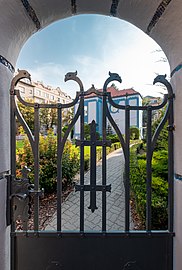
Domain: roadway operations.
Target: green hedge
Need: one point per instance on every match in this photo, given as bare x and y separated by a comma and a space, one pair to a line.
159, 186
134, 133
114, 146
48, 162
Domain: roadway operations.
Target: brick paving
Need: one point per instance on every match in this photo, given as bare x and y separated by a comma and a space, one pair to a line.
115, 200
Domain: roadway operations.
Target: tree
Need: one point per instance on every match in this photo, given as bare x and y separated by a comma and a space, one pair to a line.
113, 85
68, 116
28, 115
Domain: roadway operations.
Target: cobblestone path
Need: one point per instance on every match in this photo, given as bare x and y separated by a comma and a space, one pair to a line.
115, 200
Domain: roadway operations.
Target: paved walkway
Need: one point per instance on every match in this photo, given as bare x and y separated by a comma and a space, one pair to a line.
115, 200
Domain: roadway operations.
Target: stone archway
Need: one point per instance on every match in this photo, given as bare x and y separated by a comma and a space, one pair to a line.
161, 20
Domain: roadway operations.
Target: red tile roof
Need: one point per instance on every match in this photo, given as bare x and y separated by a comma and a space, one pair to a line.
116, 93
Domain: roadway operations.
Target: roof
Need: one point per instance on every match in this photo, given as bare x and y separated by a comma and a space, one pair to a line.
116, 93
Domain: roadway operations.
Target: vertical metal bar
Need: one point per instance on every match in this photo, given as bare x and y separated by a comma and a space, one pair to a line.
82, 164
36, 167
170, 166
104, 165
13, 135
93, 140
59, 168
149, 169
127, 169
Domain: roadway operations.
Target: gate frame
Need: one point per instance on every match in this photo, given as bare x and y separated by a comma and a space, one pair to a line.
34, 141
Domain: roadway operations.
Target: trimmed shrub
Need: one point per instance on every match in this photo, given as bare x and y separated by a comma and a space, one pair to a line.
134, 133
113, 138
48, 162
159, 187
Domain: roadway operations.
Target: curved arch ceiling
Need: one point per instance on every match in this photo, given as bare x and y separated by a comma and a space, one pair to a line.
21, 18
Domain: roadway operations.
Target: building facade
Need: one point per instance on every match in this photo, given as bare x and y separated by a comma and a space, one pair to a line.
40, 93
93, 110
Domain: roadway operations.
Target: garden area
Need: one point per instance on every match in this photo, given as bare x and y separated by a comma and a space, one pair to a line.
71, 167
138, 176
48, 170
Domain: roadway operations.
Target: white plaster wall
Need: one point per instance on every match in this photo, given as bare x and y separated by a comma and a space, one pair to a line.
177, 83
178, 225
5, 78
168, 34
4, 230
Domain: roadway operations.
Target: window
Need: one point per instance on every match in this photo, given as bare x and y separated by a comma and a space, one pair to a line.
85, 110
52, 97
38, 92
22, 89
30, 92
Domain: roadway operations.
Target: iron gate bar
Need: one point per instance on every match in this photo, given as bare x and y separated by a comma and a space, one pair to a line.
159, 128
112, 77
170, 167
127, 169
73, 76
82, 164
93, 143
149, 169
36, 166
22, 74
59, 168
170, 115
104, 165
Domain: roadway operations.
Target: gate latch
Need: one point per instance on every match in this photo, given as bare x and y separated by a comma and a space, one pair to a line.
21, 197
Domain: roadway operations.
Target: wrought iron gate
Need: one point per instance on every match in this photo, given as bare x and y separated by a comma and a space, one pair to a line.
91, 250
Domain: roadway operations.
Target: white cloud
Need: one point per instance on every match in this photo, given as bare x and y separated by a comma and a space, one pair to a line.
123, 49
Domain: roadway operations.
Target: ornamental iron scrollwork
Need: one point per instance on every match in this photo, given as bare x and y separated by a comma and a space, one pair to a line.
107, 101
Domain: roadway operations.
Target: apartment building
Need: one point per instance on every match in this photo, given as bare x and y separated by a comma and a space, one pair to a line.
40, 93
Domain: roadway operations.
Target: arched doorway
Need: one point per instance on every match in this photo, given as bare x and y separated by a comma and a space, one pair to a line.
150, 21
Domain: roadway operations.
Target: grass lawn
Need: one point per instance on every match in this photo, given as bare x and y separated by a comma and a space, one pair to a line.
19, 144
87, 150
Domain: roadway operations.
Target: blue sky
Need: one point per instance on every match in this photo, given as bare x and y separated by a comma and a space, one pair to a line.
93, 45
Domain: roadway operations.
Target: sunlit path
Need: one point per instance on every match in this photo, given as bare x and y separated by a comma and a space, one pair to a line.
115, 200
